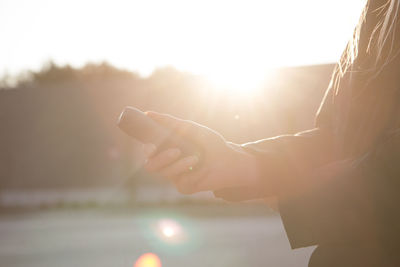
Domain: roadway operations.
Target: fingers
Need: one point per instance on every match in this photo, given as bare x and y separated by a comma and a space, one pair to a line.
168, 165
181, 166
149, 150
162, 159
188, 182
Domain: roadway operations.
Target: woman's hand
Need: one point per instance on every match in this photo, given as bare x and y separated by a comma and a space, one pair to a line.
223, 164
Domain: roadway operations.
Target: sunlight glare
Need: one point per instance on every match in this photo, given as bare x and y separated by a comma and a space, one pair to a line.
170, 230
237, 81
148, 260
233, 43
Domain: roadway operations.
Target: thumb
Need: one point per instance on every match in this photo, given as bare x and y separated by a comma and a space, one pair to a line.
179, 126
184, 128
165, 120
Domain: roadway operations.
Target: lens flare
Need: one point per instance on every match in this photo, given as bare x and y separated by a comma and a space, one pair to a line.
170, 231
148, 260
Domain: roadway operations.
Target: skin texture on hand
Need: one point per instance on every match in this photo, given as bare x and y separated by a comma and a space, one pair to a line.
223, 164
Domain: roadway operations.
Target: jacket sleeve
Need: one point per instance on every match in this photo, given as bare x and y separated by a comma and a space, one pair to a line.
283, 159
358, 203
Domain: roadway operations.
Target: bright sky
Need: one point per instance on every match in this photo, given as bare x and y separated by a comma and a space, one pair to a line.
219, 39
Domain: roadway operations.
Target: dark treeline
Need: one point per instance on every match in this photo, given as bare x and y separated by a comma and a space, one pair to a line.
58, 127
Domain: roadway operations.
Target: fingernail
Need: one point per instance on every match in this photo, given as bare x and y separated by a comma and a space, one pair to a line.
174, 152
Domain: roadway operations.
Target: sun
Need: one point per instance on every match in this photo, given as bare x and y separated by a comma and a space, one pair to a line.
238, 80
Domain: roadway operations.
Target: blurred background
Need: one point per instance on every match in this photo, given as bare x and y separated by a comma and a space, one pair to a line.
72, 191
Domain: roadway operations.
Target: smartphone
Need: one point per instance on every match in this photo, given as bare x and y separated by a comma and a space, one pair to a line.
136, 124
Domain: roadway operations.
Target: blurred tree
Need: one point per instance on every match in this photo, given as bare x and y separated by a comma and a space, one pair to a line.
59, 124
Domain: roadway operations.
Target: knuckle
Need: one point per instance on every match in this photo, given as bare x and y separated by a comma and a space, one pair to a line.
171, 154
149, 149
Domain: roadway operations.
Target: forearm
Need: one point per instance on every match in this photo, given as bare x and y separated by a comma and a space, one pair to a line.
283, 163
286, 161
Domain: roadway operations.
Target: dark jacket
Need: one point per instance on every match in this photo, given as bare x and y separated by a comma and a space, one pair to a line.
352, 208
353, 213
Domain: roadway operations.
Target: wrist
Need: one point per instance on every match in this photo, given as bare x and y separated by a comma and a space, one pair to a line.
248, 166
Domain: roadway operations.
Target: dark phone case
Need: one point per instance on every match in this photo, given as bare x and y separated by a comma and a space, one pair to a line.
137, 125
